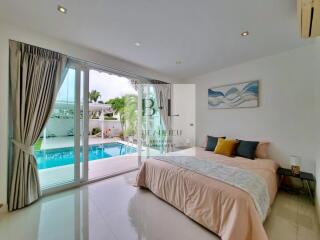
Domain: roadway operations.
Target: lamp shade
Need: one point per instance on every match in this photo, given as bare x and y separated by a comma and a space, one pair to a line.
295, 160
295, 164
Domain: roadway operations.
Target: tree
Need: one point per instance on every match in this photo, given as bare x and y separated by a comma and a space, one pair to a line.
131, 114
117, 105
126, 107
94, 95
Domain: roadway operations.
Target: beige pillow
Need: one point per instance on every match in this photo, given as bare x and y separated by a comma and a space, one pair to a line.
262, 150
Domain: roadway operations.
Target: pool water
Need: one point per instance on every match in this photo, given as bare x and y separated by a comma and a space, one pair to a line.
65, 156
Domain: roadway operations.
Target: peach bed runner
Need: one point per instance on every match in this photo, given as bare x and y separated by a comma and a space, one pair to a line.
223, 208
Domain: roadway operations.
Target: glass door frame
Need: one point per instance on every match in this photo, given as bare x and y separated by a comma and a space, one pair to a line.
80, 84
93, 66
83, 84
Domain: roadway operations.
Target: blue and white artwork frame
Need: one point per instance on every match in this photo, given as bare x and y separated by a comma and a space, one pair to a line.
239, 95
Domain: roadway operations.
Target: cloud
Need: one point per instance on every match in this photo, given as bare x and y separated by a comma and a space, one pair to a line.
109, 85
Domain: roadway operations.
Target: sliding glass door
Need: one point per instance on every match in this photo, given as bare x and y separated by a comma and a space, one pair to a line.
60, 149
155, 123
102, 124
92, 131
113, 115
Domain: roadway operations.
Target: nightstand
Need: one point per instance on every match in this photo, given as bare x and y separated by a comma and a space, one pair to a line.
305, 177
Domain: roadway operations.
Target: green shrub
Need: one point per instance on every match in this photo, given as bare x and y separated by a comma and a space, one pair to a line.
96, 131
37, 145
110, 118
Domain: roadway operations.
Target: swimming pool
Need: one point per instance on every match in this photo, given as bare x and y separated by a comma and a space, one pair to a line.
65, 156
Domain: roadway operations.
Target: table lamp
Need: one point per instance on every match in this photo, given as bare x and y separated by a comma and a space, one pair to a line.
295, 164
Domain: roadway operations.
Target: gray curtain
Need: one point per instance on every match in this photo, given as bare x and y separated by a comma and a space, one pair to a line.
35, 77
163, 94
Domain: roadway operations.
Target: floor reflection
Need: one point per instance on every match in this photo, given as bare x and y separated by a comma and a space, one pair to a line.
115, 210
146, 214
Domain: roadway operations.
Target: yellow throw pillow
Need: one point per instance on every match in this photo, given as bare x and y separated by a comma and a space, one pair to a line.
225, 146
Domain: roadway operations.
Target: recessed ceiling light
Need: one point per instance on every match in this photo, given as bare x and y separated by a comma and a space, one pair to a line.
244, 34
138, 44
178, 62
62, 9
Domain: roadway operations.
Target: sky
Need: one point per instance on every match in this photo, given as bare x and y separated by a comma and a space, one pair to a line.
110, 86
67, 90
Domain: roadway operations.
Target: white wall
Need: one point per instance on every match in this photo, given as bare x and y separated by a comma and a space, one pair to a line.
286, 115
317, 130
114, 125
59, 127
318, 165
183, 103
7, 32
289, 111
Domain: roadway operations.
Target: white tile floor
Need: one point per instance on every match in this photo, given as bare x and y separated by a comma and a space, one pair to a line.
114, 210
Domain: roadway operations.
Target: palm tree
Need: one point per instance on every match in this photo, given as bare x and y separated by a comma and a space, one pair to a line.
126, 107
131, 114
94, 95
117, 105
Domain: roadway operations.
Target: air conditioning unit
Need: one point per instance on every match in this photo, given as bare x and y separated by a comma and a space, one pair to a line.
309, 18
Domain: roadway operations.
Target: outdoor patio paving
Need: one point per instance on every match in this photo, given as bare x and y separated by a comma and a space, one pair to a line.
97, 169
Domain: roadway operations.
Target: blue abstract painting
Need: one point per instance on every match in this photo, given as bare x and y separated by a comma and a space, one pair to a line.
239, 95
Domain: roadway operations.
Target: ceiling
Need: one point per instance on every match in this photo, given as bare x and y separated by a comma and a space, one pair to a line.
204, 35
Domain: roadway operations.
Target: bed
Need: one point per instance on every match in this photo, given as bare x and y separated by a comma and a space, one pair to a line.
223, 208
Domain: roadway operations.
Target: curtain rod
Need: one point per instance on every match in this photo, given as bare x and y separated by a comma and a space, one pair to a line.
101, 66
